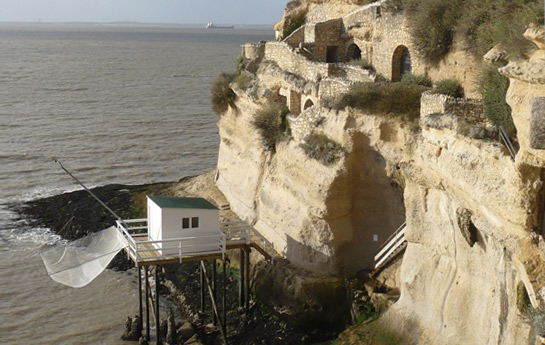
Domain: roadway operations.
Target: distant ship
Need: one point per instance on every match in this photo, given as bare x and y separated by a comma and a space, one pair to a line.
214, 26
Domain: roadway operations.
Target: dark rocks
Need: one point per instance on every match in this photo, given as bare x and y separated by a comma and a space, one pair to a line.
133, 330
302, 298
185, 331
467, 228
171, 338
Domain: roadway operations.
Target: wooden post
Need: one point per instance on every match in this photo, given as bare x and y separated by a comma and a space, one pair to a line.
146, 278
241, 280
202, 287
247, 285
157, 320
214, 289
224, 324
139, 272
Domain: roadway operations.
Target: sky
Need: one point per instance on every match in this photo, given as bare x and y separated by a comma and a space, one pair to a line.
144, 11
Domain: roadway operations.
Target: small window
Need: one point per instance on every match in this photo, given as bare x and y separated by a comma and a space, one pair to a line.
185, 223
195, 222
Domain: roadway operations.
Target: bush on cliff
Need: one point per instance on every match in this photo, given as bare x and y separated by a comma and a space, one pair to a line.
493, 88
396, 99
481, 23
450, 87
222, 95
413, 79
321, 148
271, 124
293, 24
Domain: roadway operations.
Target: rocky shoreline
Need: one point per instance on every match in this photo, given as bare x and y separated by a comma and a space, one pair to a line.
74, 215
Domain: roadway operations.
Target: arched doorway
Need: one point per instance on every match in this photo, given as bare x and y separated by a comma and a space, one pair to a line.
401, 63
309, 103
353, 52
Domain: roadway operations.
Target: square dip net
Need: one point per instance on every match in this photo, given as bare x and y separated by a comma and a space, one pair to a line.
81, 261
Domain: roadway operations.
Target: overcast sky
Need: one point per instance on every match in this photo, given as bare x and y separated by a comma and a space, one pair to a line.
146, 11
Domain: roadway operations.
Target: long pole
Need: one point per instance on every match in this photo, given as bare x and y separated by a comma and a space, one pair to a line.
88, 191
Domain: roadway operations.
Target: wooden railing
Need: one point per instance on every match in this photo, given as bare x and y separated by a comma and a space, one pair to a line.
393, 245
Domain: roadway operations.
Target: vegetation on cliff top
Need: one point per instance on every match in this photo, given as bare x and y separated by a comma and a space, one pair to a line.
450, 87
293, 24
396, 98
481, 23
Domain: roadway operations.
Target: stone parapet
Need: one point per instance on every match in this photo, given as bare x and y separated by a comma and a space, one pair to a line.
470, 110
253, 51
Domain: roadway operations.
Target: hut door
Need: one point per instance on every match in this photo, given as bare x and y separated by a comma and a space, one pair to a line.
406, 66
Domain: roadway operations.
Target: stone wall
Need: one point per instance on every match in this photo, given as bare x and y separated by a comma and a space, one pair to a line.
470, 110
253, 51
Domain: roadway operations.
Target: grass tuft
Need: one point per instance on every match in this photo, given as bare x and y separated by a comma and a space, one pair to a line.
450, 87
270, 122
323, 149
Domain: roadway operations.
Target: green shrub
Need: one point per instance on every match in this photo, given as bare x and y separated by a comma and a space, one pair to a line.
222, 96
482, 24
243, 80
293, 24
485, 23
269, 121
493, 87
394, 99
321, 148
450, 87
432, 24
240, 64
412, 79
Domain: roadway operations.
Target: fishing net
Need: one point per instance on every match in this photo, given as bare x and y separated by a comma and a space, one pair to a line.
81, 261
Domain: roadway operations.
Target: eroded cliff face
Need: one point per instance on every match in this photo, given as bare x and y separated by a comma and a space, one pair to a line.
474, 215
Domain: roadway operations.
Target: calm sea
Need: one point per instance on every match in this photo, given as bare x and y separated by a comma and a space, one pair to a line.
116, 105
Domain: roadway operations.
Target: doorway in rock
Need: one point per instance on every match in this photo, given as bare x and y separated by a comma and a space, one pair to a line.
353, 52
308, 104
333, 54
401, 63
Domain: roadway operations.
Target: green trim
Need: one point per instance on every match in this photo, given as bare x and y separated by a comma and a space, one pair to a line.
174, 202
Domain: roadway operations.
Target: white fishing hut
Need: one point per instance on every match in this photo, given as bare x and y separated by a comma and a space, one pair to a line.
171, 219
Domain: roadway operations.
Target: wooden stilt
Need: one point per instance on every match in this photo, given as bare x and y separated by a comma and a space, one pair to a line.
224, 324
214, 289
241, 280
202, 286
157, 320
247, 284
146, 278
139, 272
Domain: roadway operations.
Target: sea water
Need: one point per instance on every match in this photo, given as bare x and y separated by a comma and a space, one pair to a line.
116, 104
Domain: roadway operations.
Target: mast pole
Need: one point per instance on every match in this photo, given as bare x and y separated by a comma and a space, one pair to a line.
88, 191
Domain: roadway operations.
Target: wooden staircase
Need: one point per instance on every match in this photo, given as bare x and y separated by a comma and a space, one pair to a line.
394, 245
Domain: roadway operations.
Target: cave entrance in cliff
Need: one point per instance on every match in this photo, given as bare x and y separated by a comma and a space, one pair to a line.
401, 63
353, 52
333, 54
309, 103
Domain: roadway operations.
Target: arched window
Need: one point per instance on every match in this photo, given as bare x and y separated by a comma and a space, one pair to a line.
401, 63
353, 52
308, 104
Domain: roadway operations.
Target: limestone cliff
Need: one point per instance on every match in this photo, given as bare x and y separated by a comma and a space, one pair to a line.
474, 214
